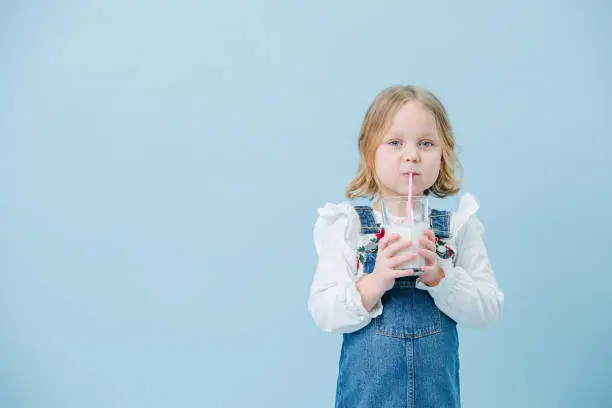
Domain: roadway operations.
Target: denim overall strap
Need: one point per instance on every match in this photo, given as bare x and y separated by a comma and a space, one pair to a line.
440, 223
366, 216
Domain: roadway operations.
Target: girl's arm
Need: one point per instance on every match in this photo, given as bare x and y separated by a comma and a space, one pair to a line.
469, 293
334, 302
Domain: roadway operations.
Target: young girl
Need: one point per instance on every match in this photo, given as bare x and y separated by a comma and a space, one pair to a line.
400, 343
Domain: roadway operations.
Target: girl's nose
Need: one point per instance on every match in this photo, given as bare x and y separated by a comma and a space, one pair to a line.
410, 153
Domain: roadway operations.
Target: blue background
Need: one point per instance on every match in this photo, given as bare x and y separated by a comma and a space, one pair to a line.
162, 164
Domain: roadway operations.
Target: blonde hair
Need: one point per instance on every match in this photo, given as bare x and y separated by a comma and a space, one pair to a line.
376, 123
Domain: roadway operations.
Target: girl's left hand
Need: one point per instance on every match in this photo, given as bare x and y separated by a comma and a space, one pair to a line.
432, 271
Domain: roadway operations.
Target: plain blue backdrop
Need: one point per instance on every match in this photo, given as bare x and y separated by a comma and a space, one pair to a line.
162, 164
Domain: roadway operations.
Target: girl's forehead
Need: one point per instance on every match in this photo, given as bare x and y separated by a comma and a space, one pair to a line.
413, 118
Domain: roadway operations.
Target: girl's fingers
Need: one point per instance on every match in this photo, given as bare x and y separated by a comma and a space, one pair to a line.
427, 244
430, 235
431, 275
383, 242
386, 240
428, 255
426, 279
395, 247
428, 268
399, 260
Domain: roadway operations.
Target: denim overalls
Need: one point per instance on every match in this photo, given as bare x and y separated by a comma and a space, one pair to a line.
409, 355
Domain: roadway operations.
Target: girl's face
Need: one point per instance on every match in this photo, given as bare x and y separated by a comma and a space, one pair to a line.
412, 143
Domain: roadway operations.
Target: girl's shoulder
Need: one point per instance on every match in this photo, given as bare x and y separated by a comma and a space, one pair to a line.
463, 225
337, 223
465, 218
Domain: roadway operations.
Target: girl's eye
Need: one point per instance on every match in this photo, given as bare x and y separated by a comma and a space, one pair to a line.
427, 144
395, 143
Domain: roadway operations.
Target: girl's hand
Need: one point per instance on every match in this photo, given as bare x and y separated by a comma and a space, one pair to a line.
432, 272
387, 260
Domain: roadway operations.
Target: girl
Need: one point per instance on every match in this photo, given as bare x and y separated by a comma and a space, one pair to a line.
400, 344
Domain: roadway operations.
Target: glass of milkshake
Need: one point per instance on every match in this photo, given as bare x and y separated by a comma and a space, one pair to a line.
409, 217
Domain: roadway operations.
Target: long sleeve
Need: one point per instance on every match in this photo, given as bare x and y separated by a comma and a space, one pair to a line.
334, 302
469, 293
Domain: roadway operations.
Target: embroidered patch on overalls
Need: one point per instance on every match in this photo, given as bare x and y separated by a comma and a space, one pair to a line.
443, 250
370, 248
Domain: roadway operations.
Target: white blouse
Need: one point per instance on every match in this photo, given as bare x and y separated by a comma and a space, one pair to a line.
469, 293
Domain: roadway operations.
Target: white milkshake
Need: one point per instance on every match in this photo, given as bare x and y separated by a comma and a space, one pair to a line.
409, 232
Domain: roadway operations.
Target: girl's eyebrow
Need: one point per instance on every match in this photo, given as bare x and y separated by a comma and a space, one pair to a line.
427, 134
398, 133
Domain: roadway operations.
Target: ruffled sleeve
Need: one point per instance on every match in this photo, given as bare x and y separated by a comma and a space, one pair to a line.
469, 292
334, 302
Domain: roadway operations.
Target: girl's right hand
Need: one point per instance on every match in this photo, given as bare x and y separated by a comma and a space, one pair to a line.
387, 259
